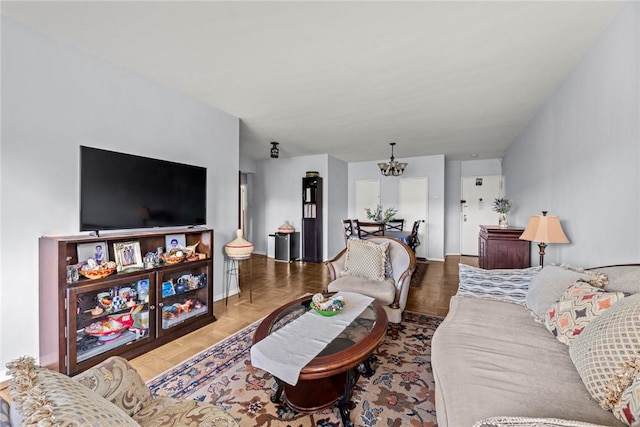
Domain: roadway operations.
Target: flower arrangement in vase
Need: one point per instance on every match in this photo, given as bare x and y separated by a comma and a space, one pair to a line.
378, 215
502, 206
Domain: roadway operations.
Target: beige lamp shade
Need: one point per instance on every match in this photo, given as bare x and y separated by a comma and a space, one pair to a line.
544, 229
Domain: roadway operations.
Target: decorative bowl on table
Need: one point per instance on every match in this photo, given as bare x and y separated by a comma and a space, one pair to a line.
327, 306
327, 313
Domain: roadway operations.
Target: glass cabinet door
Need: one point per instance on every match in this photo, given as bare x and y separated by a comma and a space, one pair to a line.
184, 294
107, 316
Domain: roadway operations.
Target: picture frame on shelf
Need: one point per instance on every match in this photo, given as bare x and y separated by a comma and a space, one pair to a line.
142, 288
174, 241
128, 255
168, 289
99, 251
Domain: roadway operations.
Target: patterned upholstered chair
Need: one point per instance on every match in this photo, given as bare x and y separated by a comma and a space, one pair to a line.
111, 393
380, 267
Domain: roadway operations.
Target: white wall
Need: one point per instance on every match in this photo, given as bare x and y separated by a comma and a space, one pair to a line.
481, 167
432, 167
579, 158
338, 204
55, 98
278, 195
452, 207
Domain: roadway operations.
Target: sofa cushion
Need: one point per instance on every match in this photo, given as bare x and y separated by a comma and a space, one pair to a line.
491, 358
44, 397
510, 285
622, 395
577, 307
365, 259
596, 278
4, 413
606, 345
164, 411
384, 291
530, 422
118, 382
548, 286
623, 278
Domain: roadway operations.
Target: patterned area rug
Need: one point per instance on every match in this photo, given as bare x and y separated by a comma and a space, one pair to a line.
400, 393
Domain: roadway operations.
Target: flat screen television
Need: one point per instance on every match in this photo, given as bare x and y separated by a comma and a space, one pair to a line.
123, 191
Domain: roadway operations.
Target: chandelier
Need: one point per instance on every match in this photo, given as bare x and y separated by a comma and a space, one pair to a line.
392, 168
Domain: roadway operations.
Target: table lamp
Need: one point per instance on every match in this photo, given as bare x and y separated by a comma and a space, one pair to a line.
544, 229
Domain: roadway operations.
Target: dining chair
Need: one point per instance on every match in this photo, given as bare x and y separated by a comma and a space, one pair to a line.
395, 225
347, 227
370, 229
355, 224
414, 241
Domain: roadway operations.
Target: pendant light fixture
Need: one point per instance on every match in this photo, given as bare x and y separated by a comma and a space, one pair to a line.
392, 168
275, 152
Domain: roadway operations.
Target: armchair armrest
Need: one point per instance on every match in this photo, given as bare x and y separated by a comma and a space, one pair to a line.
117, 381
402, 289
336, 265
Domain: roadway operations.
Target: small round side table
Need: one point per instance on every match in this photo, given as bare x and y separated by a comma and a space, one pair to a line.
234, 266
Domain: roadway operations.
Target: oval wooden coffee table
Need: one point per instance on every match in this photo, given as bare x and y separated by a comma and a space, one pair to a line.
330, 377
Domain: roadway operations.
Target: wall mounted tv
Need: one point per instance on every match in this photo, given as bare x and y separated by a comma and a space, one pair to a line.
123, 191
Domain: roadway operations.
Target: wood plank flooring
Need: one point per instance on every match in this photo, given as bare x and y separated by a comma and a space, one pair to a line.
275, 283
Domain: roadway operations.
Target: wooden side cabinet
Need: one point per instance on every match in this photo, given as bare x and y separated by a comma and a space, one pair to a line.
128, 313
502, 248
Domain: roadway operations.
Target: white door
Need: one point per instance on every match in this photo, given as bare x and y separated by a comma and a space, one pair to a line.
367, 196
414, 206
478, 193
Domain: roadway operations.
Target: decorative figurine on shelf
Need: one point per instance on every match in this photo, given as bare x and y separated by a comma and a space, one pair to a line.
502, 206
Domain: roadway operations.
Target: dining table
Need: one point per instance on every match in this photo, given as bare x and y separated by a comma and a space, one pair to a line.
403, 236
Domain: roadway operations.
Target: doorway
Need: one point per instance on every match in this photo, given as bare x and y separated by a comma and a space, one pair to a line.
477, 196
414, 206
243, 206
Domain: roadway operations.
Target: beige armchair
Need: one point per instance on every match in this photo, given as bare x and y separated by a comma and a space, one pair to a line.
392, 292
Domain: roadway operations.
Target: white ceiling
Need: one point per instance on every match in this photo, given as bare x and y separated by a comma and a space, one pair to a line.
345, 78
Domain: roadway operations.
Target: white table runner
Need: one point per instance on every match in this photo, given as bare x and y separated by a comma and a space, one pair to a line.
289, 349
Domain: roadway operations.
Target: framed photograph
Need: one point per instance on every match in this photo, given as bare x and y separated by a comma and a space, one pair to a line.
128, 254
96, 250
142, 288
174, 241
168, 289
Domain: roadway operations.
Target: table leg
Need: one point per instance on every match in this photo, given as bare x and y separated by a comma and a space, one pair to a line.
345, 399
275, 397
365, 368
366, 371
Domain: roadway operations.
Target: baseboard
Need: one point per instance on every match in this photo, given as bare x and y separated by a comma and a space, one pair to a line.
452, 254
436, 259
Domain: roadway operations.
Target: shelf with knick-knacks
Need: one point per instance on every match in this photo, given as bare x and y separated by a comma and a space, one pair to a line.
160, 288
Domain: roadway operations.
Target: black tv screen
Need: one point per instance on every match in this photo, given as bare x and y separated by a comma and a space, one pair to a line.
123, 191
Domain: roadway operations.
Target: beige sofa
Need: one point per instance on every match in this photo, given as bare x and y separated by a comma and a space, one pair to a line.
110, 394
495, 363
